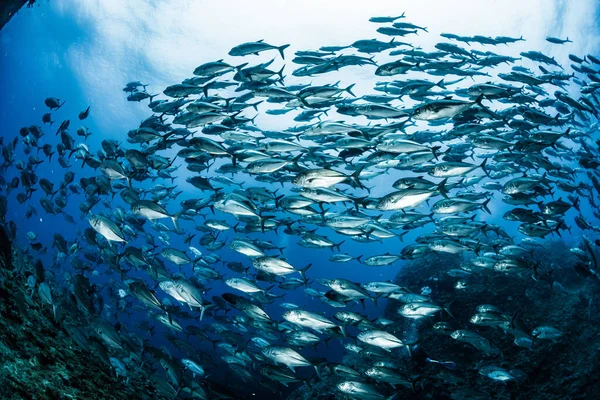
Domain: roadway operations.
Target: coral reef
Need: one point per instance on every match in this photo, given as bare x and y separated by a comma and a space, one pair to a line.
559, 369
564, 368
38, 360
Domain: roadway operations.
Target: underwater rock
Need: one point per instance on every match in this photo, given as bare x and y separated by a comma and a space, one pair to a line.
9, 8
39, 359
549, 369
5, 250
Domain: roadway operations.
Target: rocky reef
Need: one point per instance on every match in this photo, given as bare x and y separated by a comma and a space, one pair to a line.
557, 295
38, 359
8, 8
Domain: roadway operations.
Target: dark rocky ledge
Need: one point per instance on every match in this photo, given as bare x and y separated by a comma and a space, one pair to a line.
8, 8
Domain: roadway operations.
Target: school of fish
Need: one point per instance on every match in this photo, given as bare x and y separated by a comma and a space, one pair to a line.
443, 139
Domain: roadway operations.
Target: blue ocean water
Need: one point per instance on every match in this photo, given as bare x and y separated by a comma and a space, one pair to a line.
49, 51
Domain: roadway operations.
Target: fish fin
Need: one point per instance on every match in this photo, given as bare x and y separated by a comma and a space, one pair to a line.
355, 178
401, 236
317, 371
442, 187
447, 308
557, 230
376, 298
175, 219
349, 89
281, 49
280, 73
303, 271
482, 166
485, 208
262, 221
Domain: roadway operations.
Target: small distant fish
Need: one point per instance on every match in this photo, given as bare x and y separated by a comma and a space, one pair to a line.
47, 119
53, 103
383, 20
84, 114
446, 364
557, 40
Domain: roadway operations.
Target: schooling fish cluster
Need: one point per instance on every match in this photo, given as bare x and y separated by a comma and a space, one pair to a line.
448, 132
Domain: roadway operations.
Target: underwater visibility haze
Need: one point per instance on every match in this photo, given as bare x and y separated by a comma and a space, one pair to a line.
300, 200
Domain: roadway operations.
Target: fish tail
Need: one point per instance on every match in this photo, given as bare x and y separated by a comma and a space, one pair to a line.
557, 230
175, 219
255, 105
479, 99
277, 199
355, 178
482, 166
447, 309
442, 188
280, 73
401, 236
303, 271
317, 371
576, 204
357, 202
281, 49
205, 89
485, 208
349, 89
263, 219
376, 298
